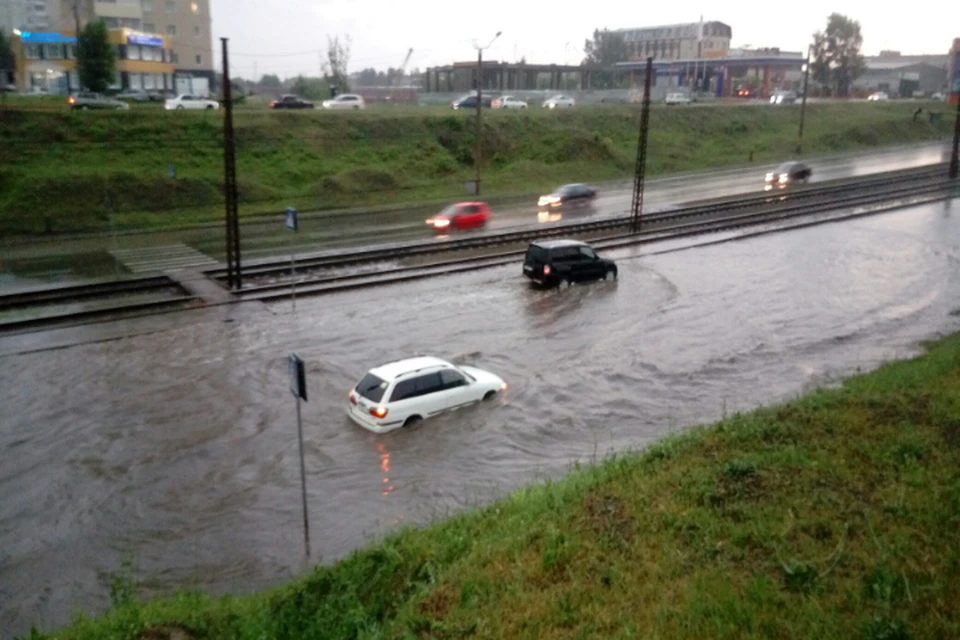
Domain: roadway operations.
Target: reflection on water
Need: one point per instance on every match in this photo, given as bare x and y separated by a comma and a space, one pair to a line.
176, 447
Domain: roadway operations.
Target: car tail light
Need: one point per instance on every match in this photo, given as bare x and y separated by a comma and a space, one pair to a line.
353, 398
273, 104
72, 100
379, 412
546, 270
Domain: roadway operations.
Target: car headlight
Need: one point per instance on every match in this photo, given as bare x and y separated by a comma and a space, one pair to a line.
784, 178
441, 224
770, 177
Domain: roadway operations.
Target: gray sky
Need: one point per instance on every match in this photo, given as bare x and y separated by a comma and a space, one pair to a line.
442, 31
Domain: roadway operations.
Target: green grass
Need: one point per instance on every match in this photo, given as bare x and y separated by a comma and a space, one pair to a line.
64, 171
832, 516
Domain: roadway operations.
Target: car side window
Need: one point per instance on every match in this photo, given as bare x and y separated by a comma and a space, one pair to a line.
587, 253
428, 383
404, 389
570, 254
452, 379
470, 208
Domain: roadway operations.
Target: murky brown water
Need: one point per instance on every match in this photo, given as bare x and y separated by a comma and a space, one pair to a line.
178, 449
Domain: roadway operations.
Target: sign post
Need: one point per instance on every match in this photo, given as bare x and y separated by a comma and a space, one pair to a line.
298, 387
291, 223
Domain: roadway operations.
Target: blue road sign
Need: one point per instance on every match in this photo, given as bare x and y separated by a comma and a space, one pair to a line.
291, 216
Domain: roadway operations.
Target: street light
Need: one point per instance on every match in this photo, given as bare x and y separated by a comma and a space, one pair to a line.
476, 155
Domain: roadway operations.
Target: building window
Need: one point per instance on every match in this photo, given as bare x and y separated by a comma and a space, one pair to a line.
171, 29
174, 58
146, 5
53, 51
31, 52
199, 59
149, 27
171, 6
196, 31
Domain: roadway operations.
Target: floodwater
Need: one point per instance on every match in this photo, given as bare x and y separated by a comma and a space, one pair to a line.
74, 259
177, 450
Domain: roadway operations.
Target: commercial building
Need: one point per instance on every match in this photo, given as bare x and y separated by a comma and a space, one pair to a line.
46, 61
900, 75
678, 41
184, 24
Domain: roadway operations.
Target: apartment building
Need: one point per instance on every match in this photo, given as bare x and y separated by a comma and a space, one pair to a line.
184, 24
28, 15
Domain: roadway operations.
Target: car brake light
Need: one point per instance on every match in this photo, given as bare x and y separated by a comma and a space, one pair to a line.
353, 398
273, 104
72, 100
546, 270
379, 412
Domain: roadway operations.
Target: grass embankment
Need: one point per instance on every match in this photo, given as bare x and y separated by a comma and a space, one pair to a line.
833, 516
66, 171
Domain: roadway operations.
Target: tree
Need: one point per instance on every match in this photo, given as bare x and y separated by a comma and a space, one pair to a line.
338, 59
268, 80
7, 61
836, 58
310, 88
605, 49
96, 61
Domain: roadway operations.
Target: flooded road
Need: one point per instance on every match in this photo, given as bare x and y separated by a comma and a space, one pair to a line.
177, 450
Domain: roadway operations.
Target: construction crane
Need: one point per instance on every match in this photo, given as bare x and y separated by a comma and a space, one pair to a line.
403, 71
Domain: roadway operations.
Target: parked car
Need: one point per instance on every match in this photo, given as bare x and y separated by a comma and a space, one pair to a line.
677, 98
783, 97
345, 101
291, 102
558, 101
788, 173
878, 96
406, 392
470, 102
939, 96
555, 262
186, 101
567, 194
744, 91
84, 100
462, 215
507, 102
134, 95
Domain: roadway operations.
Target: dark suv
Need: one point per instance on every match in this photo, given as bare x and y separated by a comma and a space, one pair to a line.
555, 262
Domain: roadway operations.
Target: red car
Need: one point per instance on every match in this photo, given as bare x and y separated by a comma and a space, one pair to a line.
462, 215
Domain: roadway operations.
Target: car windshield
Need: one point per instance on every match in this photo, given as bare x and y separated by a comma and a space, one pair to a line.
786, 167
372, 387
453, 209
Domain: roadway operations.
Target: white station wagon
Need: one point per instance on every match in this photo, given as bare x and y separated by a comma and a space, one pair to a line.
403, 393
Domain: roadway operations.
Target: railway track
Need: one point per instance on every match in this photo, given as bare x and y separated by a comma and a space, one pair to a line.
677, 224
58, 305
349, 258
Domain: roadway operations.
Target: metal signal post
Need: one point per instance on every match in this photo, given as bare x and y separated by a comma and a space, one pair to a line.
641, 168
230, 179
955, 155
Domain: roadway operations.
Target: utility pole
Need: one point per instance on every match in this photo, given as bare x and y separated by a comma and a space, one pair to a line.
76, 48
641, 168
476, 154
955, 155
803, 104
230, 178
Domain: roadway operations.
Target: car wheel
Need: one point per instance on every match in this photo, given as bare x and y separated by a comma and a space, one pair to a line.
209, 106
489, 395
84, 108
611, 273
412, 421
564, 282
179, 107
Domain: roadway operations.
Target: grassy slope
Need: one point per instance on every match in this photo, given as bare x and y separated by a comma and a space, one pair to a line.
834, 516
58, 167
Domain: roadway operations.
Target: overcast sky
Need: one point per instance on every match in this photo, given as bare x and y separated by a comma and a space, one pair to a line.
265, 37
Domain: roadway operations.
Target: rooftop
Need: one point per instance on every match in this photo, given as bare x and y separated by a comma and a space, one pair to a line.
392, 370
555, 244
